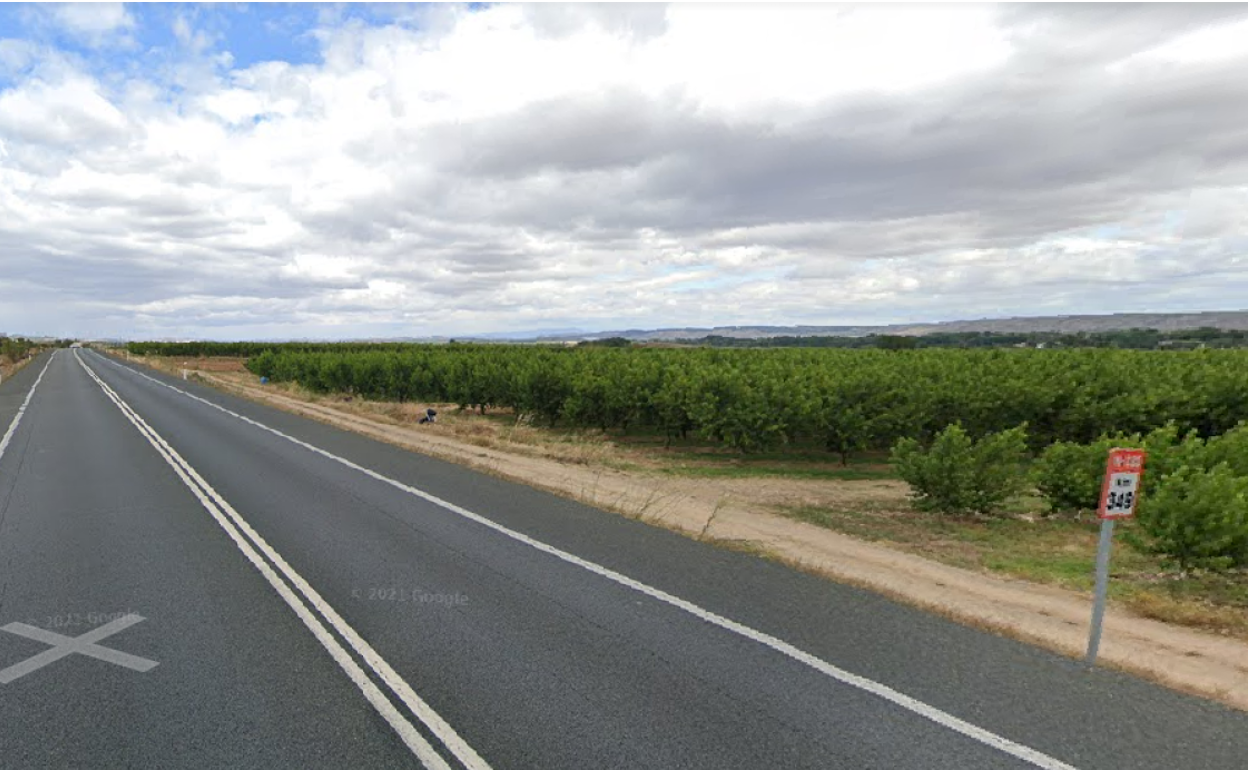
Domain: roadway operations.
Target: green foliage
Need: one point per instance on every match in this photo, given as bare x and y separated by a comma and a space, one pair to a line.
1194, 506
895, 342
749, 400
1197, 518
607, 342
1069, 475
1230, 448
1168, 451
958, 474
15, 348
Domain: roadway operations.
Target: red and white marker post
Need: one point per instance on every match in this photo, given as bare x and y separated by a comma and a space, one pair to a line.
1120, 491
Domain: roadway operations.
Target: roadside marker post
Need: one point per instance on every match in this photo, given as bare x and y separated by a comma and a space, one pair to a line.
1120, 491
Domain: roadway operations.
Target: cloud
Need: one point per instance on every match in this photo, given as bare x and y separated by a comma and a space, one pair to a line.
97, 24
68, 114
449, 170
639, 22
92, 18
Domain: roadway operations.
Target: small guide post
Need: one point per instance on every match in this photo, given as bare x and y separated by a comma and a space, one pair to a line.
1119, 494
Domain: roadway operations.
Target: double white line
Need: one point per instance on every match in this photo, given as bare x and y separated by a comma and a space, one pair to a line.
301, 598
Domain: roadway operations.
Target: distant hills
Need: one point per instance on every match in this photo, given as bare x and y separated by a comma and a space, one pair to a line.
1065, 324
1060, 324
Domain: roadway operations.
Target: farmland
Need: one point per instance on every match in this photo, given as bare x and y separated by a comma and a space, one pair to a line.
845, 401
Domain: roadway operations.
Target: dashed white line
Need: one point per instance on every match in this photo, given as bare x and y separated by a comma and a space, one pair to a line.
235, 526
943, 718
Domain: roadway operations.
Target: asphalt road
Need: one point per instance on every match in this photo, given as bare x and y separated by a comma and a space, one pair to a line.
192, 580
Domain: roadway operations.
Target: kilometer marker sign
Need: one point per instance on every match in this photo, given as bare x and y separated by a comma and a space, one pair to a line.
1120, 492
1121, 488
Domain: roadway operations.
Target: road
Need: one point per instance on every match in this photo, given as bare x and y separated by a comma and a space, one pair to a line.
191, 580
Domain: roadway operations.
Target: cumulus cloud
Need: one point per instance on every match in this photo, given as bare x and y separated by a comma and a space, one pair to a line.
452, 170
96, 24
92, 18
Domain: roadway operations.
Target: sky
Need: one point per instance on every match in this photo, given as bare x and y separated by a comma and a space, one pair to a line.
358, 171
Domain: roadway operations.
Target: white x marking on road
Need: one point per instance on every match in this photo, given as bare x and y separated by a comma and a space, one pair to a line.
63, 646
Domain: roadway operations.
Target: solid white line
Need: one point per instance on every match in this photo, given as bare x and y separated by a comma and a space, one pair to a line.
421, 710
21, 410
943, 718
215, 505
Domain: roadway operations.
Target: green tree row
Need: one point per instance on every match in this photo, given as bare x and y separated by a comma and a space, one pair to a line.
845, 400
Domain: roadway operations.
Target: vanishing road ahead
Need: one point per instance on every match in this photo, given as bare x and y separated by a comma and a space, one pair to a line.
191, 580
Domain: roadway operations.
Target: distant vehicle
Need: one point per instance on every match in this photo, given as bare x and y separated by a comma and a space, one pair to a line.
76, 345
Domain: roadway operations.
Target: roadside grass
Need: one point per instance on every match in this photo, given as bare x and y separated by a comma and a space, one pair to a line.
9, 367
1059, 552
1022, 544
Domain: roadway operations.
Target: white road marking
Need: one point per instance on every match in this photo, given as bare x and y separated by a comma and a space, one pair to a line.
943, 718
231, 522
64, 646
21, 410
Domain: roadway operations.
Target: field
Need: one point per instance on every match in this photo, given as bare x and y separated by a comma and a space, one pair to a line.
842, 401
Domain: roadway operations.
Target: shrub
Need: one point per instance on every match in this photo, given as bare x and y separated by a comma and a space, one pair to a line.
1167, 453
1230, 448
1069, 475
1196, 518
957, 474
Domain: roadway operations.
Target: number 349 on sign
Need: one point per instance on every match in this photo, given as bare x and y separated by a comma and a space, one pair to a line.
1121, 489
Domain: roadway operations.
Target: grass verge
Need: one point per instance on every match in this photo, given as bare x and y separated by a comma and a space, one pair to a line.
1058, 552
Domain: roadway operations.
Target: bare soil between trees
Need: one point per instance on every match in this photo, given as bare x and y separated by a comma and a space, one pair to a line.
742, 513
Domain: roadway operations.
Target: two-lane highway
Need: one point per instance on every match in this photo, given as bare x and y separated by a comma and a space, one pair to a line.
192, 580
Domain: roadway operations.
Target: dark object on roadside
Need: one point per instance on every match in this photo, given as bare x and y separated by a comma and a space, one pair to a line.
431, 415
264, 380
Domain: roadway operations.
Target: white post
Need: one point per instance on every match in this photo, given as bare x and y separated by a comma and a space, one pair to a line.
1102, 589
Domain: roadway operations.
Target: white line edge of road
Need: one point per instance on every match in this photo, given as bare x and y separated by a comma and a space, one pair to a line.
220, 510
945, 719
21, 410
